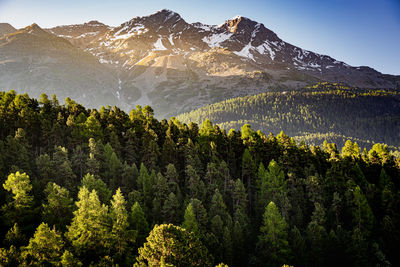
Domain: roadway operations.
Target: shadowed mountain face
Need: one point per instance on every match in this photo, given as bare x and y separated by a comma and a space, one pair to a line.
6, 28
35, 61
175, 66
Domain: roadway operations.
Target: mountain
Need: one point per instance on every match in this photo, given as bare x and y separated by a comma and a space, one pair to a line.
332, 112
6, 28
175, 66
35, 61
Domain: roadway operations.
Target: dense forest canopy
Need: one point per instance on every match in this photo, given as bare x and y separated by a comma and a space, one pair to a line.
325, 111
103, 187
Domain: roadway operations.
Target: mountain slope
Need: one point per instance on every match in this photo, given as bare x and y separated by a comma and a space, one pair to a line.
34, 61
325, 111
6, 28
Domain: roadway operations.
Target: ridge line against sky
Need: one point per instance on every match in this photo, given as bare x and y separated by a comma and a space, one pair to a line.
358, 32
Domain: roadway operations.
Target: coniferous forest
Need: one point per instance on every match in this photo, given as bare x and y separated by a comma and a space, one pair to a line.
324, 111
86, 187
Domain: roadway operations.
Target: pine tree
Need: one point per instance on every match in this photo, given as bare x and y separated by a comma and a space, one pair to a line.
129, 177
200, 214
170, 245
91, 183
146, 185
69, 260
57, 210
92, 128
228, 246
79, 161
317, 235
273, 242
190, 222
112, 167
195, 185
138, 223
298, 247
248, 176
14, 237
218, 207
20, 210
64, 175
20, 186
363, 216
351, 150
161, 192
89, 231
120, 236
170, 211
239, 196
92, 163
46, 171
44, 248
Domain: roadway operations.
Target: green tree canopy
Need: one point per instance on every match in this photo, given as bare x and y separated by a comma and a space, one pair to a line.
172, 246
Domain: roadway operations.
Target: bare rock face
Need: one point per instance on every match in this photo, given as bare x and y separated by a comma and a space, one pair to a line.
176, 66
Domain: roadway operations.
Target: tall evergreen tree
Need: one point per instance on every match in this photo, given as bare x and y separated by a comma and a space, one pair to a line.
89, 232
273, 242
57, 210
190, 222
44, 248
120, 235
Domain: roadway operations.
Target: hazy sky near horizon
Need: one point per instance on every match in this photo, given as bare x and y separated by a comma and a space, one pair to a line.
358, 32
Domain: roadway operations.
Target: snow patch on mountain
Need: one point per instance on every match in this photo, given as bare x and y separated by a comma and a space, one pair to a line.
137, 30
264, 48
204, 27
158, 45
216, 39
87, 34
171, 39
245, 52
256, 30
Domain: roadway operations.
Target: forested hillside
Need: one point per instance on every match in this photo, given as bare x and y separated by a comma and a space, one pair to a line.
102, 187
332, 112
